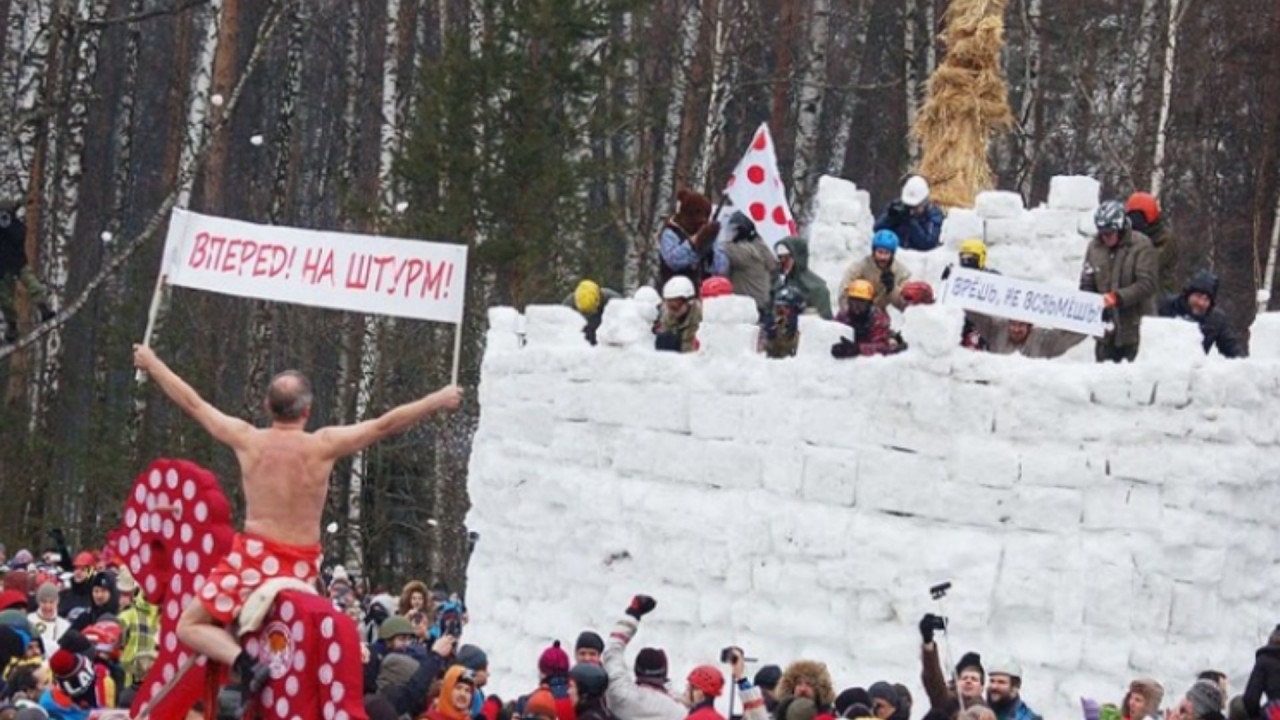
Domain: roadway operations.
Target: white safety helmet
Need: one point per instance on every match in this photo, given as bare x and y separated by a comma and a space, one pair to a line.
678, 287
915, 191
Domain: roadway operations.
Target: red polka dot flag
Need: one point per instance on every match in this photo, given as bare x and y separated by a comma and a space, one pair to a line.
756, 188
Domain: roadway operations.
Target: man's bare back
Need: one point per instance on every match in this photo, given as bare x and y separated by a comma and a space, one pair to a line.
286, 477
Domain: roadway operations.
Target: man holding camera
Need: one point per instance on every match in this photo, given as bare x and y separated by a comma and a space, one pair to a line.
916, 221
943, 699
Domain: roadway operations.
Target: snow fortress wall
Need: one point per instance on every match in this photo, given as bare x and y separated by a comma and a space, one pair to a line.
1098, 523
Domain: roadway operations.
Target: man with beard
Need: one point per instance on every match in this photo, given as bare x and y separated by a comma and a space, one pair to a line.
882, 269
871, 331
1004, 687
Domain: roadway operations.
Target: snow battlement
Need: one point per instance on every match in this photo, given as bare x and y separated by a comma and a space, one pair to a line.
1098, 522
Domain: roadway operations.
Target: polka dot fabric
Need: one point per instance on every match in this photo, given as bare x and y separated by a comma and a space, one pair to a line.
176, 527
756, 187
252, 561
313, 651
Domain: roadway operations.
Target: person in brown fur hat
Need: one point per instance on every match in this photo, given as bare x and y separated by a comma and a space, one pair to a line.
687, 244
809, 679
1143, 699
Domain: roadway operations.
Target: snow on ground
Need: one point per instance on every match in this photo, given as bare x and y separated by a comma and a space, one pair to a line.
1098, 523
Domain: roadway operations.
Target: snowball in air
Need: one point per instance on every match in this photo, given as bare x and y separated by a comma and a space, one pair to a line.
255, 140
332, 527
432, 522
402, 206
107, 236
216, 99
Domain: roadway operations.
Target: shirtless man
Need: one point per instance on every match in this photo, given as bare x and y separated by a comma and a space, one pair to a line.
286, 476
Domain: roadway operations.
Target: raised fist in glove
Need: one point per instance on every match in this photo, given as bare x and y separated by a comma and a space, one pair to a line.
641, 605
929, 624
705, 237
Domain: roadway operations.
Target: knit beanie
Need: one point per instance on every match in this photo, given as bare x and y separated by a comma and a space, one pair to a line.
589, 640
472, 658
1205, 697
72, 674
396, 669
651, 667
883, 691
768, 677
850, 697
554, 661
800, 708
48, 592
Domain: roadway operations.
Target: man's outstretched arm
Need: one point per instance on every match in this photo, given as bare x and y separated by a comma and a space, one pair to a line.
343, 440
223, 428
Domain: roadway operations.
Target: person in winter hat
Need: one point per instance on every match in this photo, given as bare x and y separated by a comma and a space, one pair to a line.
104, 601
752, 266
872, 334
885, 702
641, 695
588, 648
590, 299
754, 706
1004, 692
1144, 216
77, 597
15, 269
704, 685
1204, 701
767, 679
1143, 699
45, 620
410, 696
677, 328
912, 217
477, 661
553, 675
78, 687
687, 243
793, 265
1198, 303
810, 679
1121, 265
1264, 680
454, 700
882, 269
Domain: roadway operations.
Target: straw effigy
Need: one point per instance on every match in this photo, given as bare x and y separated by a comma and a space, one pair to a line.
967, 103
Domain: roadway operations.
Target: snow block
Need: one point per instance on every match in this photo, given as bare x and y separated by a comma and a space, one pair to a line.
729, 309
933, 329
1054, 222
1020, 230
960, 225
818, 335
840, 202
554, 325
1074, 192
998, 204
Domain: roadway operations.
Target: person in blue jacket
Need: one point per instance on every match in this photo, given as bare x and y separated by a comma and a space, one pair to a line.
916, 221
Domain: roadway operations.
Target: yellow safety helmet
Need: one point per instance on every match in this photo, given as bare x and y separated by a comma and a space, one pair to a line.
977, 248
861, 290
587, 297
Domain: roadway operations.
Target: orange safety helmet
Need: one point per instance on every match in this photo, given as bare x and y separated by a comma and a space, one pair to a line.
1146, 204
861, 290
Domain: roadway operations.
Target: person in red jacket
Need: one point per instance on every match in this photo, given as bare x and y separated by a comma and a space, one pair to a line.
871, 331
706, 682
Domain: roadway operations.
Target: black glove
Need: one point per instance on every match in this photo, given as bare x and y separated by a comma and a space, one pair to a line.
846, 348
641, 605
888, 280
929, 624
899, 209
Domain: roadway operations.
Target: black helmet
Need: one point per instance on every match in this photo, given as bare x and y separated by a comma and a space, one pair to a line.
591, 679
789, 296
1111, 216
741, 227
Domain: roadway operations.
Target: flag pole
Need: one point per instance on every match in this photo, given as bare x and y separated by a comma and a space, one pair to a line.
457, 350
140, 376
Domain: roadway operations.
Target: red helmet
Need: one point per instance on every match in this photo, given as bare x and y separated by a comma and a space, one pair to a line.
917, 292
85, 559
708, 679
1146, 204
105, 638
716, 286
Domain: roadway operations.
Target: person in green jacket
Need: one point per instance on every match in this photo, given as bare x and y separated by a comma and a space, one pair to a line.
793, 260
1120, 264
1145, 217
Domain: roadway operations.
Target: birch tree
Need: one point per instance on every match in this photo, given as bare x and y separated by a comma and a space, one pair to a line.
809, 114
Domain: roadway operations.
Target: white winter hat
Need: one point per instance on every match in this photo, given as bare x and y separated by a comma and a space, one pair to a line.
915, 191
1005, 666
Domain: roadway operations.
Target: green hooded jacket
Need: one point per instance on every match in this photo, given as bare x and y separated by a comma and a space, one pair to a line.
817, 295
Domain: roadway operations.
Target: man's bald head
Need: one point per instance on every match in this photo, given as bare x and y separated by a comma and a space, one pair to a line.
289, 396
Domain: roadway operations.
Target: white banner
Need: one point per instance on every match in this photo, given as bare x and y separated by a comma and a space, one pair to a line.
342, 271
1033, 302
